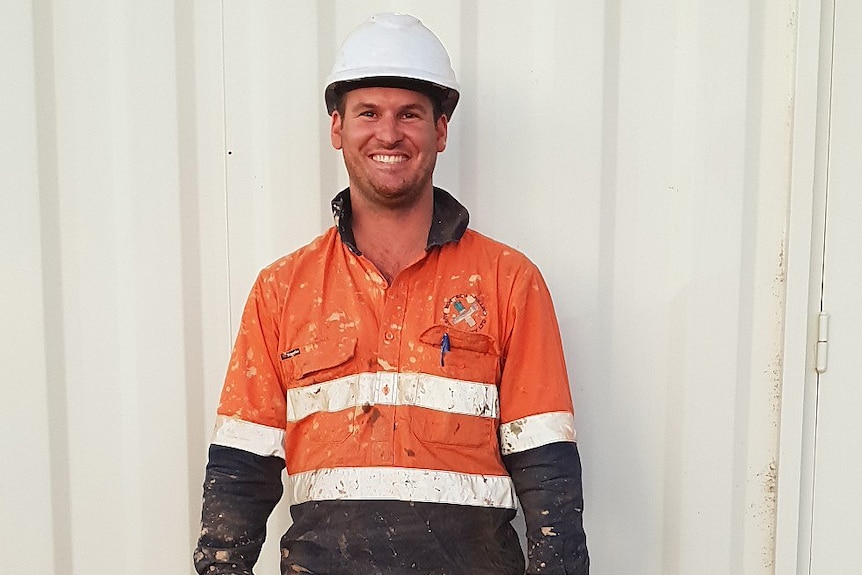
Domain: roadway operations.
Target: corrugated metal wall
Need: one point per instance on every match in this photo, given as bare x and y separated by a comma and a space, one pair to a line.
157, 154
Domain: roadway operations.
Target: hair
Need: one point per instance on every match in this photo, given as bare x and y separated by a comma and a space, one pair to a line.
435, 93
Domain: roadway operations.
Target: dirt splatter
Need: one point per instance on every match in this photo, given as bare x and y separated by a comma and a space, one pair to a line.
766, 510
374, 416
770, 479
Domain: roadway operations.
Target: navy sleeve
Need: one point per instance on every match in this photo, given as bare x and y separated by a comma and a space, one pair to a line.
240, 491
548, 482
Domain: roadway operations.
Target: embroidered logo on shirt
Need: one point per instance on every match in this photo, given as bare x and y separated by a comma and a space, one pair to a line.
291, 353
465, 311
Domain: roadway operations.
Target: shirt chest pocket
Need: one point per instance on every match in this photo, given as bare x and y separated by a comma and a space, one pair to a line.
462, 399
469, 357
321, 387
323, 359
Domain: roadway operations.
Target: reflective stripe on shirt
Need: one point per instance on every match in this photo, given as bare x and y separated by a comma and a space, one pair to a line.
393, 388
248, 436
405, 484
536, 430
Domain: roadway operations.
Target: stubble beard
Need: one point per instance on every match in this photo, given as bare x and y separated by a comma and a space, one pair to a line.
398, 196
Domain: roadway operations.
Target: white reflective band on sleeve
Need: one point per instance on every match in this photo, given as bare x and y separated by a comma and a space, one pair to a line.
392, 388
403, 484
536, 430
248, 436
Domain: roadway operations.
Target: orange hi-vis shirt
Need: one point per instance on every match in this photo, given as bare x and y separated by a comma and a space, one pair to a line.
412, 391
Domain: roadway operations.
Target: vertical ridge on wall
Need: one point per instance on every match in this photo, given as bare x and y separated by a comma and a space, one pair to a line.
191, 255
604, 535
28, 495
768, 169
740, 538
52, 274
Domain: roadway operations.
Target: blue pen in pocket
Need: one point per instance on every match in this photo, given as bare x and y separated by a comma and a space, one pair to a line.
444, 348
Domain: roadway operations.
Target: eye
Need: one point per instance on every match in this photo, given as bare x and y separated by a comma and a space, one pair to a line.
367, 114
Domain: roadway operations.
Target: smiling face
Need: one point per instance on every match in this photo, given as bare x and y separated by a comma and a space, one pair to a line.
390, 141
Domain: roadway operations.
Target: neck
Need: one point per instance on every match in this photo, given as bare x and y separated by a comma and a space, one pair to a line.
393, 239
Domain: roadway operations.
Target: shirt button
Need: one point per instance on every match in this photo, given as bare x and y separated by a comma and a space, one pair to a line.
388, 335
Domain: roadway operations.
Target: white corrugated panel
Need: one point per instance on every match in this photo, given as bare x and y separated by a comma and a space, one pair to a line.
637, 151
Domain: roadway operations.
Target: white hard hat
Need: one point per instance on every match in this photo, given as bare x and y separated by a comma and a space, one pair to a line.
393, 50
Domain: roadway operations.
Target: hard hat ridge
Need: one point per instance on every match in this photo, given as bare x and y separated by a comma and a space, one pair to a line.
399, 49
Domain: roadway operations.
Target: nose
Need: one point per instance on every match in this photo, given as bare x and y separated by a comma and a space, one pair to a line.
389, 131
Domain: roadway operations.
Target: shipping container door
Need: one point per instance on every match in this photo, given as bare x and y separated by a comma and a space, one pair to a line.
837, 520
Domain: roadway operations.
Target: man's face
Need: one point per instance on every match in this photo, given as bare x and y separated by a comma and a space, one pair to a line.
390, 141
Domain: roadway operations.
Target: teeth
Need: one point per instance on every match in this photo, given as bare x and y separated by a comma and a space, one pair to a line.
388, 159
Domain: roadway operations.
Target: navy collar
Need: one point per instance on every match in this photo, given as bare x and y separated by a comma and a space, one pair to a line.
448, 223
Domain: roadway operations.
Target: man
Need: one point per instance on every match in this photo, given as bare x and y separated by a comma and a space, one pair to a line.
408, 371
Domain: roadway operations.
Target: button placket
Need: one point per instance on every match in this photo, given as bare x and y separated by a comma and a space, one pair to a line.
389, 349
385, 388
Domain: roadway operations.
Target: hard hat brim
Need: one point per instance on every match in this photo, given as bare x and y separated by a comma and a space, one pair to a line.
446, 96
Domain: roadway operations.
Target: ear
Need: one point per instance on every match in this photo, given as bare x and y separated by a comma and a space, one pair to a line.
442, 132
335, 130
